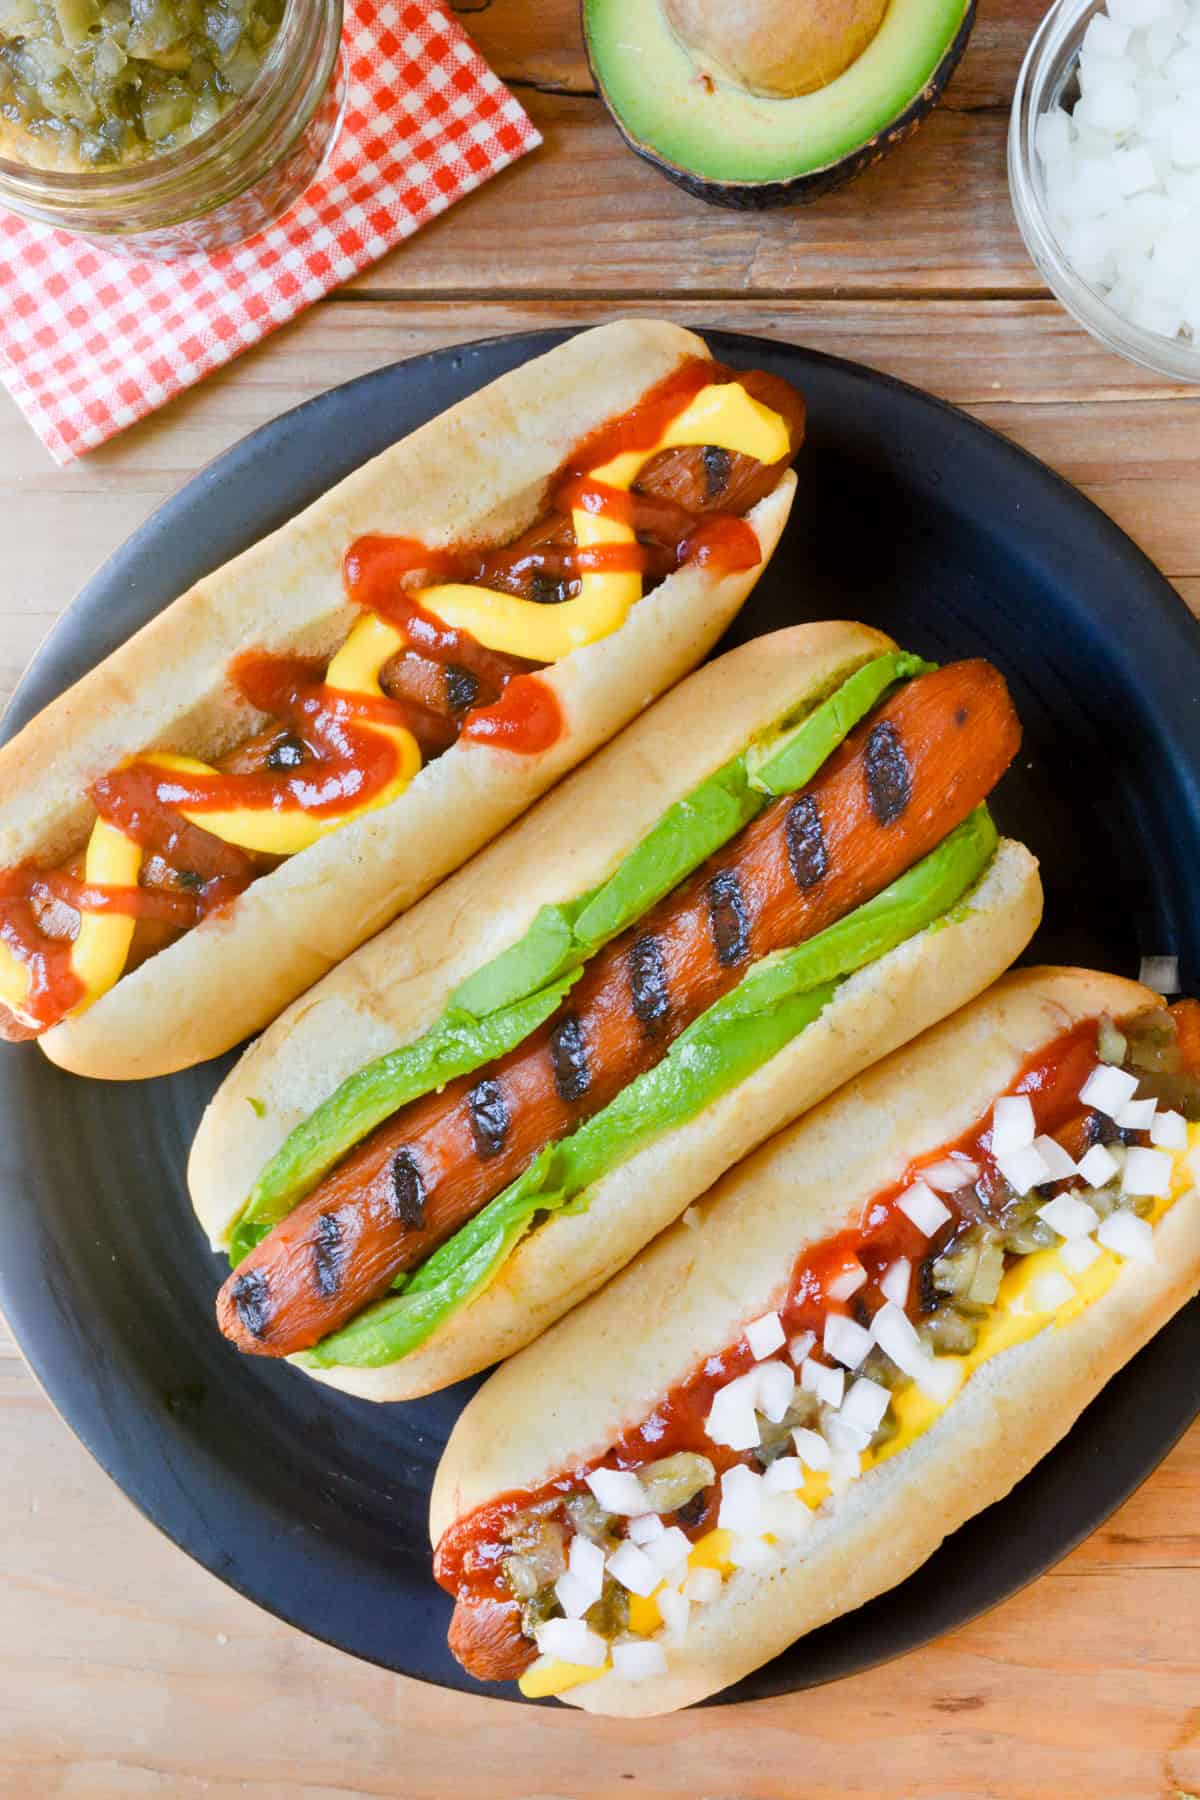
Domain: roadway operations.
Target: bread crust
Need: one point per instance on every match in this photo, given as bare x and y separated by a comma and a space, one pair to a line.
601, 1369
395, 987
479, 472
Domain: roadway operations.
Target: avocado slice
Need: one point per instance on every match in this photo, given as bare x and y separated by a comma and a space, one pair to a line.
736, 148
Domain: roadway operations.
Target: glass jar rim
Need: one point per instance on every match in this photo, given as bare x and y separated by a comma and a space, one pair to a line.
223, 142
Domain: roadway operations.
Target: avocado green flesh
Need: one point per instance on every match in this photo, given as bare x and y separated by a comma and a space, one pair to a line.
720, 131
498, 1006
772, 1004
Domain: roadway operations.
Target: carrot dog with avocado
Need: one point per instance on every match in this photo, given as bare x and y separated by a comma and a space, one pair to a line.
317, 733
863, 1335
730, 910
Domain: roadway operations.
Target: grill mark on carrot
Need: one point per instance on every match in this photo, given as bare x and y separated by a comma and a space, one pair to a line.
807, 856
408, 1191
651, 999
665, 968
727, 918
252, 1298
889, 778
568, 1053
489, 1119
329, 1253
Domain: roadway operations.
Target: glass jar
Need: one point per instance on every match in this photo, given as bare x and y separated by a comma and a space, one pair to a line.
228, 183
1049, 78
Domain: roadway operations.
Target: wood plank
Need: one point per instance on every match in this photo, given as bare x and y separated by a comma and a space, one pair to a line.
1023, 366
126, 1671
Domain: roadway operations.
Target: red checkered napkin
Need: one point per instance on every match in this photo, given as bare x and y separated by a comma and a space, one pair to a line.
90, 341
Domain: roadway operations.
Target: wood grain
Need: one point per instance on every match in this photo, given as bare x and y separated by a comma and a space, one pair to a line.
128, 1672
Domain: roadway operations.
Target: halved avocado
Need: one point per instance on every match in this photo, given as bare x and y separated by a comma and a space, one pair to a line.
686, 106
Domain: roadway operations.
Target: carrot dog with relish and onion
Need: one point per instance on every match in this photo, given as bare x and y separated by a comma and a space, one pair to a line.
863, 1335
316, 734
780, 872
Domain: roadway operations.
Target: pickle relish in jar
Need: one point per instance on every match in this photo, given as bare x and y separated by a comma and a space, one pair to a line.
92, 84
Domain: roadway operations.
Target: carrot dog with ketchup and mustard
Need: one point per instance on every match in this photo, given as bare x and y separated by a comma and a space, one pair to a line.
863, 1335
316, 734
782, 871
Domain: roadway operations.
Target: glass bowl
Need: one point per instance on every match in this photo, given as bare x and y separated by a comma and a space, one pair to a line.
1048, 72
228, 183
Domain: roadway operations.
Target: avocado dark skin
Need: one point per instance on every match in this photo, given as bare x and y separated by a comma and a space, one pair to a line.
800, 190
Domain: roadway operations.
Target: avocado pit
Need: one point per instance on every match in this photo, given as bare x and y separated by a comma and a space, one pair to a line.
772, 47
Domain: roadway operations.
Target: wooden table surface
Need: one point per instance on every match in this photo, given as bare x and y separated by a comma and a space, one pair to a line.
126, 1670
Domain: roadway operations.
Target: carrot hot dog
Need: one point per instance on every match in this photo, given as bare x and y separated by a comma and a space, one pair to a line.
861, 1337
577, 1050
403, 667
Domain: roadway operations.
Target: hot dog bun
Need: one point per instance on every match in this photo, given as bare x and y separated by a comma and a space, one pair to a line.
395, 987
478, 473
568, 1396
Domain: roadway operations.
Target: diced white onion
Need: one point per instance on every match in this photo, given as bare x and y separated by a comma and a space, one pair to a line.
1169, 1131
1108, 1089
1098, 1166
702, 1586
741, 1499
571, 1641
1128, 1236
846, 1282
638, 1659
1023, 1169
618, 1491
784, 1475
896, 1281
844, 1438
1012, 1124
1049, 1290
826, 1383
1078, 1254
845, 1468
775, 1387
644, 1528
800, 1346
952, 1173
941, 1378
785, 1516
753, 1553
1160, 973
920, 1204
667, 1551
732, 1420
896, 1337
1070, 1216
1060, 1165
764, 1335
1147, 1172
585, 1561
1137, 1115
675, 1609
574, 1596
633, 1569
846, 1341
811, 1448
865, 1405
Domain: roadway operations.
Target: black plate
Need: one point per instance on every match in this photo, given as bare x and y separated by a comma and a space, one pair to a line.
910, 516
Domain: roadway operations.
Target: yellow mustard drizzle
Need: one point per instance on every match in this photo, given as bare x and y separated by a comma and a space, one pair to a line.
722, 414
1013, 1320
